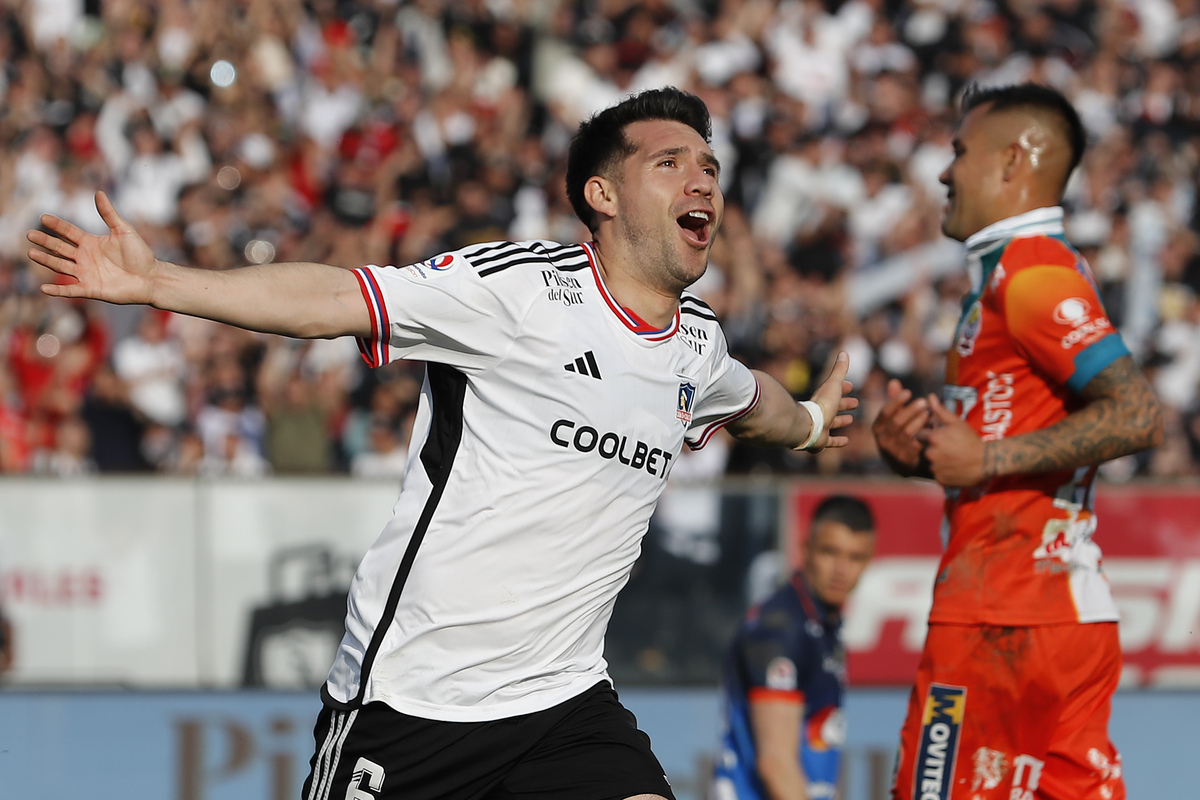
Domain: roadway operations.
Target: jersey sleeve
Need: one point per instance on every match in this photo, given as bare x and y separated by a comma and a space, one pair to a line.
772, 659
731, 391
439, 310
1056, 317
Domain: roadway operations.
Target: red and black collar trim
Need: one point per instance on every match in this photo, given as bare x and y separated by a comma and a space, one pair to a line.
630, 320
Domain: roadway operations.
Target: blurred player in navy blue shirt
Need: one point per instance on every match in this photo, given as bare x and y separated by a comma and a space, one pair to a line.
785, 674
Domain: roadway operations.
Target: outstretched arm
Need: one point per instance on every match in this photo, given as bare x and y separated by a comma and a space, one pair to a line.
1122, 416
305, 300
780, 421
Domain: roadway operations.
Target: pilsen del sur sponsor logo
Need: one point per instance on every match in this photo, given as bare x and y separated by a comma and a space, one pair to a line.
944, 709
694, 337
565, 289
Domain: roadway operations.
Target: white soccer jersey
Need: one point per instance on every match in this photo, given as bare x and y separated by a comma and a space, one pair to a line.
548, 423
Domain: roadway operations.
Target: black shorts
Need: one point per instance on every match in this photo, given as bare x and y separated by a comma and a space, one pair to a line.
588, 748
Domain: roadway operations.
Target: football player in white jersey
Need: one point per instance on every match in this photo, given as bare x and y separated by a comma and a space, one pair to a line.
561, 383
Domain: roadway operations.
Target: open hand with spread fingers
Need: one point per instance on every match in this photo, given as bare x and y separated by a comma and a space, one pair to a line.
833, 396
777, 420
118, 267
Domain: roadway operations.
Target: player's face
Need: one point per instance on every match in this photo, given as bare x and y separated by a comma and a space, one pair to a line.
670, 203
973, 178
834, 559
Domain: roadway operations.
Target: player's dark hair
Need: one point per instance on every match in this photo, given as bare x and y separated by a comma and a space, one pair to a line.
1036, 97
600, 143
850, 511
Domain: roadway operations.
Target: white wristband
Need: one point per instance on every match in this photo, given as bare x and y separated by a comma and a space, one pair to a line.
818, 424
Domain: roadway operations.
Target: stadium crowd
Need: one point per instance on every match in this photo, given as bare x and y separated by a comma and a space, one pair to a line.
244, 131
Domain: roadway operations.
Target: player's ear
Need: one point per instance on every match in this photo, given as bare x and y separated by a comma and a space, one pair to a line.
1013, 159
601, 194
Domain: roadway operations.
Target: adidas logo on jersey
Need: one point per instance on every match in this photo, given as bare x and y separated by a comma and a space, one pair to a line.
585, 365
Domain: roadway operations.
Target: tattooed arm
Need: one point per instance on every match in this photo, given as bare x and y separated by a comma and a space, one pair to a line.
1122, 416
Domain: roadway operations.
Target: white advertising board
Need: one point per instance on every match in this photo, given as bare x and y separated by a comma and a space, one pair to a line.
155, 583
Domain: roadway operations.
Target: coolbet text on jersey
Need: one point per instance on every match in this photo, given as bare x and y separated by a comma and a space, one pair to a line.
1019, 549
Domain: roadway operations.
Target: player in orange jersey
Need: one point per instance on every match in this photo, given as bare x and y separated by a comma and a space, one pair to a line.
1014, 688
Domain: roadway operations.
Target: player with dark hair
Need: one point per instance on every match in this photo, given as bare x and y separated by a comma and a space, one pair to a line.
785, 673
1054, 111
560, 386
1014, 687
601, 143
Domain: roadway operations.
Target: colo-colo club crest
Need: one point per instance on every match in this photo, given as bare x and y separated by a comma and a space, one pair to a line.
687, 396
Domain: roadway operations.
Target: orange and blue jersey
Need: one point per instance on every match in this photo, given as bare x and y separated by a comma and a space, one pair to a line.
787, 649
1019, 549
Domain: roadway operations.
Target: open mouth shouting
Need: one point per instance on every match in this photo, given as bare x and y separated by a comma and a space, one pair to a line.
697, 227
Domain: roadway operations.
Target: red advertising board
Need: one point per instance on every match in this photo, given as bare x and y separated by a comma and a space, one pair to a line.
1150, 536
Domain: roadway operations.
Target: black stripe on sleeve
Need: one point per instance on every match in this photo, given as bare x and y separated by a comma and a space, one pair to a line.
492, 258
695, 312
492, 253
692, 300
532, 259
558, 250
489, 255
525, 260
481, 252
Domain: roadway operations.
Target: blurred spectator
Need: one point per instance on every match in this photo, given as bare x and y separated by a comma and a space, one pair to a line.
116, 429
148, 171
386, 455
230, 427
297, 438
389, 401
300, 410
182, 454
152, 366
53, 350
14, 434
70, 456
